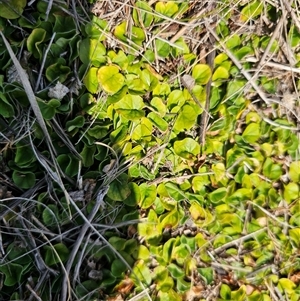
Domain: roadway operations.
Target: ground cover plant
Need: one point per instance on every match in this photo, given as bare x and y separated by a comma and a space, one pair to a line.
149, 150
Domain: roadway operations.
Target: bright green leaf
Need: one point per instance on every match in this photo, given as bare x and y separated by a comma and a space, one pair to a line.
91, 80
148, 195
186, 118
201, 216
251, 10
131, 107
291, 192
201, 73
160, 123
162, 48
110, 79
220, 73
187, 148
252, 133
294, 171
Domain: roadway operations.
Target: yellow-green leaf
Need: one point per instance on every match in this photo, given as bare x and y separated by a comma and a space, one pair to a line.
110, 79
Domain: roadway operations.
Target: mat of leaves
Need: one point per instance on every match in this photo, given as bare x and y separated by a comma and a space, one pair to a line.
153, 153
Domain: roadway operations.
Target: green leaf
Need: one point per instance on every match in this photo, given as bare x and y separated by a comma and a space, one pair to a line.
93, 28
295, 236
110, 79
64, 26
34, 41
175, 271
171, 295
182, 286
87, 155
88, 286
6, 109
12, 9
294, 36
181, 253
220, 73
18, 254
68, 164
207, 274
48, 109
12, 272
218, 195
294, 171
219, 171
201, 73
271, 170
135, 196
56, 254
252, 133
142, 14
141, 273
91, 80
166, 285
131, 107
187, 118
264, 42
291, 192
160, 123
243, 51
142, 252
23, 179
187, 148
117, 243
58, 71
143, 131
170, 220
50, 215
24, 155
77, 122
175, 99
118, 267
163, 48
135, 34
286, 285
220, 58
233, 41
251, 10
225, 292
234, 88
119, 189
168, 8
92, 51
148, 195
201, 216
121, 59
264, 258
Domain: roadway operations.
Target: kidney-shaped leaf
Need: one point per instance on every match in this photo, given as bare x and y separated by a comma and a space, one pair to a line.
251, 133
130, 106
110, 79
251, 10
187, 148
119, 189
12, 9
201, 73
